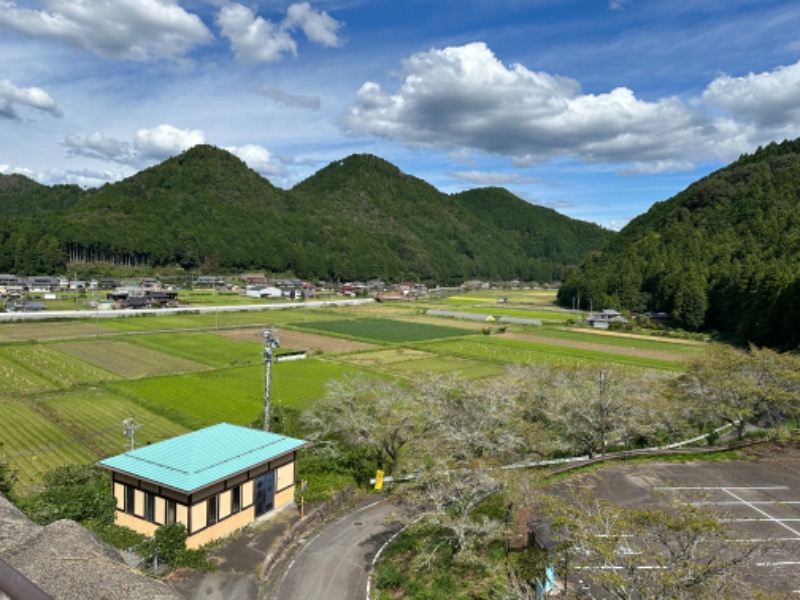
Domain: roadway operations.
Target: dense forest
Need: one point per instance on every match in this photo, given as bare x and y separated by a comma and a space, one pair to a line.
357, 218
722, 255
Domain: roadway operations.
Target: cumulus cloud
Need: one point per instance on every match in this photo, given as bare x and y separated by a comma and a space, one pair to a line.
318, 26
255, 39
96, 145
292, 100
767, 100
32, 97
464, 97
164, 141
260, 159
139, 30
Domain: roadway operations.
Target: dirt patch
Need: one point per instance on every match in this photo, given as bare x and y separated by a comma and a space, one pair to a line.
298, 340
600, 347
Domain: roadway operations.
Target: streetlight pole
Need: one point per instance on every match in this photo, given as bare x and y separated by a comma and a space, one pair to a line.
270, 344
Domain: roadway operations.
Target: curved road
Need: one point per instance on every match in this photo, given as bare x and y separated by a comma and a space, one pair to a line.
335, 564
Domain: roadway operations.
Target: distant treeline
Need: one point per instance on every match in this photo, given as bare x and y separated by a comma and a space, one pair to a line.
723, 255
358, 218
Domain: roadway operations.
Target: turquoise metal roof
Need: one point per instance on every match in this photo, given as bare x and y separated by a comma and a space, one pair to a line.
195, 460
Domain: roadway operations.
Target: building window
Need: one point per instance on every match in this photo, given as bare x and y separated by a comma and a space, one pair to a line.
236, 499
130, 499
149, 507
213, 513
171, 512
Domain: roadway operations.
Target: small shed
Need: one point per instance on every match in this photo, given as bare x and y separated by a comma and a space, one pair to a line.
214, 481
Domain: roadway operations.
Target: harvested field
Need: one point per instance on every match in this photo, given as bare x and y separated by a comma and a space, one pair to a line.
15, 332
599, 346
298, 340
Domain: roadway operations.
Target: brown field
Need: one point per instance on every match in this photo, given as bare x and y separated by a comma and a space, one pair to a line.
600, 347
298, 340
17, 332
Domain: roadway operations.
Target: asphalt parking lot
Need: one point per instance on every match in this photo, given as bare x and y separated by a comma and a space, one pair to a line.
758, 496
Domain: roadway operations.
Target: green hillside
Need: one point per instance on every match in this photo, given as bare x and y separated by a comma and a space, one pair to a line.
357, 218
722, 255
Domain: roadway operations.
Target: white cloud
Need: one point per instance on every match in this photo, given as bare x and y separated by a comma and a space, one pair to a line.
255, 39
319, 27
164, 141
33, 97
766, 100
492, 178
464, 96
659, 166
138, 30
97, 145
293, 100
260, 159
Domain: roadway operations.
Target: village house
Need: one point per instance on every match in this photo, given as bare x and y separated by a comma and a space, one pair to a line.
605, 318
214, 481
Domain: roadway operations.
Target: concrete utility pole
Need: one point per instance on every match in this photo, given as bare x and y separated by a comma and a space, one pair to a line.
270, 344
129, 427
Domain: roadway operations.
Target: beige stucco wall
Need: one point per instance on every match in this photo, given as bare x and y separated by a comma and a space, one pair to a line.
225, 504
138, 503
161, 510
182, 514
284, 476
222, 529
135, 523
247, 493
199, 516
285, 497
119, 495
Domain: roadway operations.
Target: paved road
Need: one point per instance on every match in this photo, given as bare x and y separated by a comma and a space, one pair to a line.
335, 564
129, 312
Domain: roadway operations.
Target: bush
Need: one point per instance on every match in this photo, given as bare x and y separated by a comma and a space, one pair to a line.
78, 492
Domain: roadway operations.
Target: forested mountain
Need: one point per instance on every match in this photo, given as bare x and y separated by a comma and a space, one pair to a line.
722, 255
357, 218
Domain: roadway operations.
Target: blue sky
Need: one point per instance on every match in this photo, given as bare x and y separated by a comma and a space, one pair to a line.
596, 108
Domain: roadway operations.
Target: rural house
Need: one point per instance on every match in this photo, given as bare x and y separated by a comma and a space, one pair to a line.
214, 481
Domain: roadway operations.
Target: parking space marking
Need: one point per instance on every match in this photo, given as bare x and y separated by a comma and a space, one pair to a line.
758, 510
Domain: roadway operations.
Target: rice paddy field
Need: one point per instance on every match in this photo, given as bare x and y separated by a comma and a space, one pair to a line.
67, 386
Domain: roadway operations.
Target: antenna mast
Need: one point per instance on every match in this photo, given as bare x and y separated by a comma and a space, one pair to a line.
271, 342
129, 427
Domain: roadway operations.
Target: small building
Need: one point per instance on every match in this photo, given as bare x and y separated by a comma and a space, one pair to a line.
605, 318
214, 481
263, 291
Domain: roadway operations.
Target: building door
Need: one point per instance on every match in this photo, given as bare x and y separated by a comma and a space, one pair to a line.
265, 493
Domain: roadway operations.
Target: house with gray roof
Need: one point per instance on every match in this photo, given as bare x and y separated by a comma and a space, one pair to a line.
214, 481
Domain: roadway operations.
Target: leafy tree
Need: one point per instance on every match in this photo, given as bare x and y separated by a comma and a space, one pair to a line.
740, 387
681, 551
375, 414
78, 492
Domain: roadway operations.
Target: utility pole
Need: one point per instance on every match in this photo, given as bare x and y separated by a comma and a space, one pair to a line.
603, 413
129, 427
270, 344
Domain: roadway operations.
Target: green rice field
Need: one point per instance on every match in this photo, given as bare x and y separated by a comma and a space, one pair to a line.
67, 386
383, 330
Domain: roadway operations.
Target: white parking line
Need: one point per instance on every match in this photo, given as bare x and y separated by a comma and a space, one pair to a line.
758, 510
767, 487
